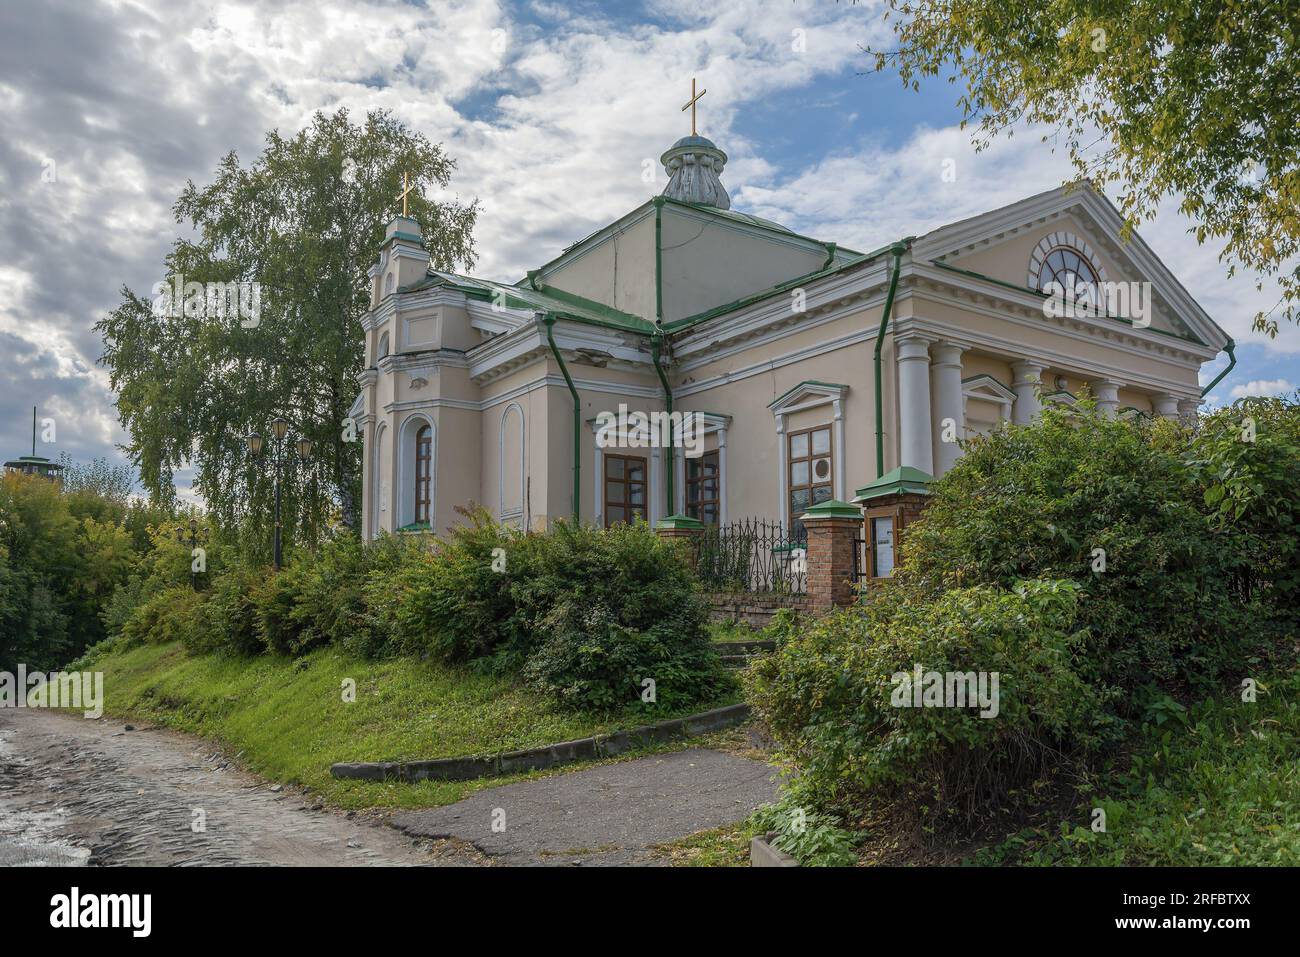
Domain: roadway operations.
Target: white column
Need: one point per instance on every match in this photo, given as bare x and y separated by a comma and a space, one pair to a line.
1187, 410
1028, 379
839, 491
915, 445
948, 403
722, 475
598, 482
781, 461
1165, 405
1107, 393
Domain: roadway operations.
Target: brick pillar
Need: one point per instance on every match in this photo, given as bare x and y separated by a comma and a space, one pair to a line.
833, 528
898, 497
683, 530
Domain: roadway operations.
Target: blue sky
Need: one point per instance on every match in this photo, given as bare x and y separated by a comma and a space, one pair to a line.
552, 110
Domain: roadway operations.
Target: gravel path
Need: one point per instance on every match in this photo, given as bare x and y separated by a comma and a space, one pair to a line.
607, 815
74, 791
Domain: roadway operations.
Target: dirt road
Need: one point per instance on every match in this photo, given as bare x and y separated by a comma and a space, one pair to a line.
74, 791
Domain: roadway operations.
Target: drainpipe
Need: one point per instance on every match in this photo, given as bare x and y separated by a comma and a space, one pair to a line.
1232, 361
656, 344
549, 319
897, 250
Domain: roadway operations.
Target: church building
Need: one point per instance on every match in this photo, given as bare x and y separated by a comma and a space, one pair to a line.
813, 370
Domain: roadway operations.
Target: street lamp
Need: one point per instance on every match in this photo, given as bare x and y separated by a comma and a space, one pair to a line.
279, 430
196, 535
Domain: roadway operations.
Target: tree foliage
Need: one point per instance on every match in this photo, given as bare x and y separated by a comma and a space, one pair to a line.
304, 222
1189, 98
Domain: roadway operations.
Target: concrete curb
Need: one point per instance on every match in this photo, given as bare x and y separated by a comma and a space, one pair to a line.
763, 854
547, 756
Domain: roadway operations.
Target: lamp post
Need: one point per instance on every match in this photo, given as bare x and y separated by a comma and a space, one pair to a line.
279, 431
196, 535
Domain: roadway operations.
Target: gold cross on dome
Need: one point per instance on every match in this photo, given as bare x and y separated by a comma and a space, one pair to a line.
691, 105
405, 190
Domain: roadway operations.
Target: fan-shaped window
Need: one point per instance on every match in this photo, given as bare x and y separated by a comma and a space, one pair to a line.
1068, 268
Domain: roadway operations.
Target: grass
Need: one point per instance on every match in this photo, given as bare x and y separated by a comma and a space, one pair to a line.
289, 719
726, 846
1216, 785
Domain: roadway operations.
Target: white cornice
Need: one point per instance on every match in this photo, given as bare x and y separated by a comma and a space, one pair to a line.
964, 292
989, 228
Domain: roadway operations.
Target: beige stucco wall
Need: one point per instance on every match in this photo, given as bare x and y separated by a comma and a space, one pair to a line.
708, 261
619, 272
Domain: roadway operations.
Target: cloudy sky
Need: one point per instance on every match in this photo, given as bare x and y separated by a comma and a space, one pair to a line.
553, 110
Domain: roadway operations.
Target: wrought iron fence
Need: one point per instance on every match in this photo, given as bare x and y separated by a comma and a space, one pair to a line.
753, 555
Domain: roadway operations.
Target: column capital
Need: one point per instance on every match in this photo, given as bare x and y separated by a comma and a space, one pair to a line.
1027, 371
913, 345
1165, 405
947, 353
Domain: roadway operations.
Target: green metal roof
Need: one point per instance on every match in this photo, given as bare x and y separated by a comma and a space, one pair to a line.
832, 509
565, 305
902, 480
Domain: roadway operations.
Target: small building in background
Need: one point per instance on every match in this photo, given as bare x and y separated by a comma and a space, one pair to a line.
35, 464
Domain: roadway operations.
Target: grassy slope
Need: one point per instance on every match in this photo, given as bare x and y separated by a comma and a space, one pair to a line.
1221, 787
290, 721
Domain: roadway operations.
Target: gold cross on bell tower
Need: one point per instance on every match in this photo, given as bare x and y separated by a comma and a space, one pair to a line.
405, 191
691, 105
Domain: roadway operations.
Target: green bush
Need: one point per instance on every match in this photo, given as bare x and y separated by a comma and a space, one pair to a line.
229, 621
331, 605
813, 838
173, 614
589, 660
837, 697
1054, 501
275, 601
608, 608
452, 599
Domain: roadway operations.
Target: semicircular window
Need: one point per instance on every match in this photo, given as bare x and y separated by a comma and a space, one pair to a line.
1068, 268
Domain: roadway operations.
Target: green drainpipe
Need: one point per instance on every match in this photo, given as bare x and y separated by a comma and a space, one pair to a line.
897, 250
655, 347
1232, 361
549, 319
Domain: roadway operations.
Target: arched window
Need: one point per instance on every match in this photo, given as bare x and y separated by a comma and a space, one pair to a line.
383, 347
1068, 268
423, 473
1068, 261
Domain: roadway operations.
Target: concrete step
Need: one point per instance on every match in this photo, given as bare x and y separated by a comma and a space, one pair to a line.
745, 647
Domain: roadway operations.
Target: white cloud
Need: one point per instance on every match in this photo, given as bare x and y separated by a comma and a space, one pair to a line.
1262, 387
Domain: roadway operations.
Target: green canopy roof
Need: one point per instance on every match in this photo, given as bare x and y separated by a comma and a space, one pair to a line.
902, 480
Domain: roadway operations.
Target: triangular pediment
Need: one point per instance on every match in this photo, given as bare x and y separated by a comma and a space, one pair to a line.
1012, 245
807, 395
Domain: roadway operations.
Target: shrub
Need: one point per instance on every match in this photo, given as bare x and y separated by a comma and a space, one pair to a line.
1053, 501
331, 604
813, 838
229, 620
127, 597
607, 608
275, 600
589, 660
452, 599
838, 697
173, 614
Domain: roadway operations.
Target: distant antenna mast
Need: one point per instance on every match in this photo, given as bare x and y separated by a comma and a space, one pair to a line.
33, 431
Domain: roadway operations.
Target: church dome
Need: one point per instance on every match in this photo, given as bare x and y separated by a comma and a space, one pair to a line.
694, 166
